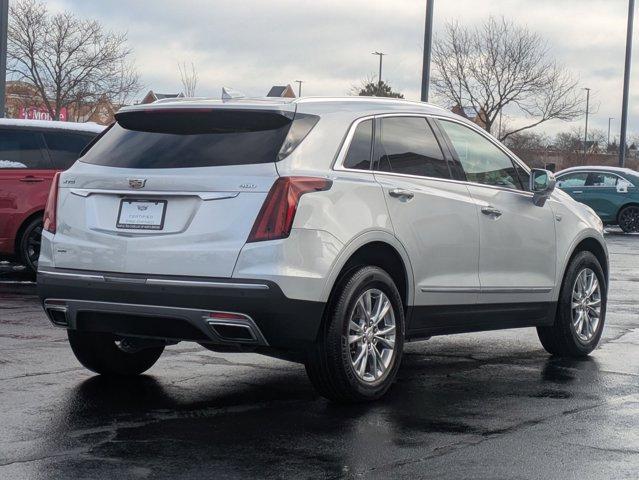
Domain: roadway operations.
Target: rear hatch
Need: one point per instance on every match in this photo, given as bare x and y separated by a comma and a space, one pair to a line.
171, 191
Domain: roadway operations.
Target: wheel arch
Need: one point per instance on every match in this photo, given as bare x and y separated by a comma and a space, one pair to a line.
379, 249
593, 245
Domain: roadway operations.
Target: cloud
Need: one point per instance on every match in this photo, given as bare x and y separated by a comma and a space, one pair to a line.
253, 44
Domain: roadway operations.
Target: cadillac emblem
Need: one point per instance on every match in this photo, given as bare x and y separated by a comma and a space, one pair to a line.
137, 183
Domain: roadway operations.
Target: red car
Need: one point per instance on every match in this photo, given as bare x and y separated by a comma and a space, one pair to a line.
31, 152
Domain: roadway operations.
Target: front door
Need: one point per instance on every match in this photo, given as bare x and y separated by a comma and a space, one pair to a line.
517, 257
25, 178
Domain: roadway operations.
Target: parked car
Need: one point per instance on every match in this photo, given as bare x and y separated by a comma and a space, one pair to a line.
324, 231
31, 152
610, 191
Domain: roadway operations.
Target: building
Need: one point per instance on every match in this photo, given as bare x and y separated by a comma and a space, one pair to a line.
153, 96
285, 91
23, 100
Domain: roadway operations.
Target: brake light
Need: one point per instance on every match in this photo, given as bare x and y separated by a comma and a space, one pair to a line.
51, 206
278, 212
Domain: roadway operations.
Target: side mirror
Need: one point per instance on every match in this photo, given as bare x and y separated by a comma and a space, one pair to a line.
542, 184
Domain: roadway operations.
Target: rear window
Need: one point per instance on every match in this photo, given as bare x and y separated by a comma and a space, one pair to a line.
196, 138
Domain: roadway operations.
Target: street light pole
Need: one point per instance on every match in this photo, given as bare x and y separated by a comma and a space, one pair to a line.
379, 78
299, 87
610, 119
626, 84
4, 26
587, 113
428, 41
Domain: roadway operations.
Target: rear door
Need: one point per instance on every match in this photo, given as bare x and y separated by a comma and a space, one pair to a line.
169, 191
25, 178
434, 217
517, 258
600, 193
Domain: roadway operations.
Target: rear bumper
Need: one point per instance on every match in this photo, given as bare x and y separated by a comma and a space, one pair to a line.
178, 308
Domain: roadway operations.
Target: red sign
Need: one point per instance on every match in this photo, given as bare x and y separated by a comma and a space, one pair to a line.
40, 113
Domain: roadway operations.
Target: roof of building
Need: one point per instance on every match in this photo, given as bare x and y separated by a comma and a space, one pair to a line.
276, 91
162, 96
51, 124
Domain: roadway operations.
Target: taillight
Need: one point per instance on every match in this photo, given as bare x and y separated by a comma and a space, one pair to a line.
52, 206
278, 212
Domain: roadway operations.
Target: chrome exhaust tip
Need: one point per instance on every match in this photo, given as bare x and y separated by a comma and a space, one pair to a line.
56, 311
235, 328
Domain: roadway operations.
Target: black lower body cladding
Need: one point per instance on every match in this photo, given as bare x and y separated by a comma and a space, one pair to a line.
129, 304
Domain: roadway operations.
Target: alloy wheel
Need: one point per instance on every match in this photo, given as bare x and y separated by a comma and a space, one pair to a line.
629, 219
32, 246
371, 335
586, 305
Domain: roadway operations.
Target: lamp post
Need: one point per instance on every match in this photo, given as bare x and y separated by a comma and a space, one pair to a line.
626, 84
610, 119
299, 87
428, 41
379, 78
587, 113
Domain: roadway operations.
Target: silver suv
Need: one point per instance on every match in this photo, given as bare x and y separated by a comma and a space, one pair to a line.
324, 231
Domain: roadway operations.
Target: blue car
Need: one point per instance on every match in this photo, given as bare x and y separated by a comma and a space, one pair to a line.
610, 191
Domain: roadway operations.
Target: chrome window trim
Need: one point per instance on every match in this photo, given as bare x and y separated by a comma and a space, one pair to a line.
595, 171
339, 159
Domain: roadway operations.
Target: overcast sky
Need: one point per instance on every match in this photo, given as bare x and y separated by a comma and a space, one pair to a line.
250, 45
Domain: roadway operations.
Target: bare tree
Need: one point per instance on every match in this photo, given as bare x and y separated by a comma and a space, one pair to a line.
500, 64
189, 78
68, 60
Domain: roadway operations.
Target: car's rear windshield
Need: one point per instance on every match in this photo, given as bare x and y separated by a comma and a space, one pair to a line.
183, 138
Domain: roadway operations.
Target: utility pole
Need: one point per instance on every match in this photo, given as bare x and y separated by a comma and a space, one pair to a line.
428, 41
587, 113
4, 26
379, 78
610, 119
299, 87
626, 84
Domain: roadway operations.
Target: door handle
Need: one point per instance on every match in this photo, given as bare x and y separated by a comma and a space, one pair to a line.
491, 211
31, 179
401, 193
578, 191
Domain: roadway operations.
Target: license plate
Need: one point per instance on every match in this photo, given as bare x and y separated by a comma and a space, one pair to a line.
141, 214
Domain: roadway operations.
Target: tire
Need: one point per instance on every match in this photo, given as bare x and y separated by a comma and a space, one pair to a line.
29, 245
330, 364
568, 337
628, 219
100, 353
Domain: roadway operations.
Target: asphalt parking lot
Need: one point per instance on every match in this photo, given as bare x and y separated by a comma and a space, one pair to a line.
482, 406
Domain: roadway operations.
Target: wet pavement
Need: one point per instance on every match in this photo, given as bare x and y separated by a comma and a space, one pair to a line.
477, 406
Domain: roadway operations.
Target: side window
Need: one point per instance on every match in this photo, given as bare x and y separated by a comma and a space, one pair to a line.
577, 179
21, 149
359, 151
65, 148
483, 162
601, 179
408, 145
